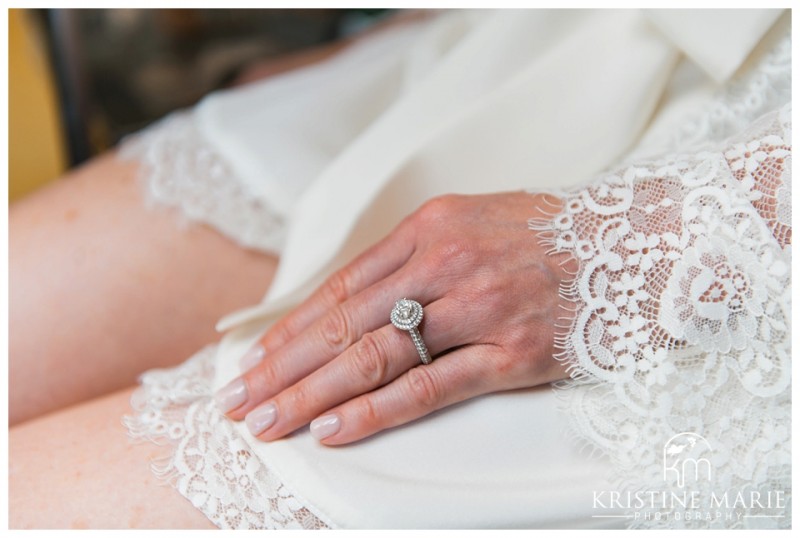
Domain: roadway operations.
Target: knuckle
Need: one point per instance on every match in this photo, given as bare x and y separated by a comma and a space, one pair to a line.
302, 397
424, 388
340, 286
369, 413
491, 294
279, 334
297, 400
265, 375
438, 208
369, 360
337, 330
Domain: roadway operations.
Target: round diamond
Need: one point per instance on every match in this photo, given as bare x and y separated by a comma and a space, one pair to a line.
406, 314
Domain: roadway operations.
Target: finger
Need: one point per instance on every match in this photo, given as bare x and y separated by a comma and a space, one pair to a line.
322, 342
376, 359
373, 265
462, 374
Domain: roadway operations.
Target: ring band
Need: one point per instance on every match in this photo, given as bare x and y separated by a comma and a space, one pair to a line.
407, 315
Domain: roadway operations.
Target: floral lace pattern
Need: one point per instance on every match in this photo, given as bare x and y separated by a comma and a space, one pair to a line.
681, 321
207, 461
682, 310
182, 170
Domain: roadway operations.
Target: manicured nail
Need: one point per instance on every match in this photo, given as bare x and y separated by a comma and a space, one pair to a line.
253, 357
325, 426
231, 395
261, 418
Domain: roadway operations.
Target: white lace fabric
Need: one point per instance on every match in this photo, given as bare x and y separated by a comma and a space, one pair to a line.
680, 324
204, 458
180, 169
682, 306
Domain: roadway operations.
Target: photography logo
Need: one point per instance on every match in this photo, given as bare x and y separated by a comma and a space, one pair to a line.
686, 493
683, 454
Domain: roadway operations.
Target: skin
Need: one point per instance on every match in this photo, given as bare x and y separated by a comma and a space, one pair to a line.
491, 301
81, 252
61, 478
103, 289
92, 226
80, 327
90, 290
491, 306
476, 250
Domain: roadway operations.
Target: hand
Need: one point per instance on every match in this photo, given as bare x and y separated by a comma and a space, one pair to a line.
491, 306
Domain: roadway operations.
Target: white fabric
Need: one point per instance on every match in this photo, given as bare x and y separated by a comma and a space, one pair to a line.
717, 41
488, 102
185, 171
208, 462
527, 71
683, 307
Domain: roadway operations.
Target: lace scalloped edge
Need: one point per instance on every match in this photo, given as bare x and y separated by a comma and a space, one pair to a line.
580, 378
181, 170
175, 410
622, 477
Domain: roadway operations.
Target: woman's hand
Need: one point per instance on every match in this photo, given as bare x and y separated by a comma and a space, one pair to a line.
491, 305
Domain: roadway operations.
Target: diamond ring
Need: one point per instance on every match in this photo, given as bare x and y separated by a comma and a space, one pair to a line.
407, 315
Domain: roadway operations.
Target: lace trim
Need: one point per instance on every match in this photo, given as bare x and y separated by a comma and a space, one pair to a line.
683, 327
764, 88
180, 169
682, 311
737, 396
207, 460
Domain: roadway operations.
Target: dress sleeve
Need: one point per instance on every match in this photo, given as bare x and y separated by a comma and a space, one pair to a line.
680, 310
688, 251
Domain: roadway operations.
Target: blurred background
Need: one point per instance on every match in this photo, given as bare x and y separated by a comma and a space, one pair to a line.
81, 79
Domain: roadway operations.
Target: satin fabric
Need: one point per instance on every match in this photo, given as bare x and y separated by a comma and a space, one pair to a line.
469, 102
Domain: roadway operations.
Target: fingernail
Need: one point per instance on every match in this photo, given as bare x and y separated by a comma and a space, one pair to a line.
325, 426
253, 357
231, 395
261, 418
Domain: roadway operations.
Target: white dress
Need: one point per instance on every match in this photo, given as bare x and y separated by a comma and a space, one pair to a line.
680, 335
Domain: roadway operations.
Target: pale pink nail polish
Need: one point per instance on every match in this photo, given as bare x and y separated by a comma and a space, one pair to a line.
325, 426
261, 418
253, 357
231, 395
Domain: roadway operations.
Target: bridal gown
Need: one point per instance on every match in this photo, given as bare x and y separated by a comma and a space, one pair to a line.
667, 133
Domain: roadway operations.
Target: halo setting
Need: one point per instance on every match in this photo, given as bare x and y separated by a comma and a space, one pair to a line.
407, 315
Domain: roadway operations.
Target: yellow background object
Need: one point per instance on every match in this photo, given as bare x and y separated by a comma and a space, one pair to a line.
36, 152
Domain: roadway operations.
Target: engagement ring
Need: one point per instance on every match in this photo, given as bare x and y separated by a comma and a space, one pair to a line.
407, 315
